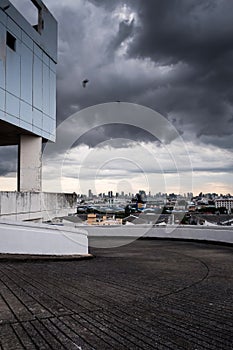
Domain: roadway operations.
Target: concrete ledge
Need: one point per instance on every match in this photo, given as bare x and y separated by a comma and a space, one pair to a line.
45, 258
41, 239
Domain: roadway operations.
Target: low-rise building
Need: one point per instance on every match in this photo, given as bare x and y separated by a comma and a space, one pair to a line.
224, 202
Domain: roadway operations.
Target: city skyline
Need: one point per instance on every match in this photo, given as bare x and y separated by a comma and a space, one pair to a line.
122, 194
174, 58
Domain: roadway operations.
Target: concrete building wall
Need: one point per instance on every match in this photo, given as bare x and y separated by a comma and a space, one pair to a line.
28, 71
224, 202
39, 206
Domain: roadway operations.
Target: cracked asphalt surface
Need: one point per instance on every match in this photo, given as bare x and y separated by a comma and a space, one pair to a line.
151, 294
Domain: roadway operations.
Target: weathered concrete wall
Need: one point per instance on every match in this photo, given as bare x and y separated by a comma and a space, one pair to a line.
30, 163
35, 206
41, 239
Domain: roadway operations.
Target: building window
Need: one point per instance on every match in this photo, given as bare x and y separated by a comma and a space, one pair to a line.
11, 41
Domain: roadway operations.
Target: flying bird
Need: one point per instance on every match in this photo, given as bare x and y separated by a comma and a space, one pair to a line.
84, 83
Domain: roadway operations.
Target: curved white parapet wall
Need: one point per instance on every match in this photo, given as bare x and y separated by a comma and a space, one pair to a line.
204, 233
41, 239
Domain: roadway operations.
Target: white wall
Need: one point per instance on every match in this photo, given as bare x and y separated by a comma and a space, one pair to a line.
219, 234
39, 239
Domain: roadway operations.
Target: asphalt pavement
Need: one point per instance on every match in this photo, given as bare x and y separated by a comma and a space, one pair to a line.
150, 294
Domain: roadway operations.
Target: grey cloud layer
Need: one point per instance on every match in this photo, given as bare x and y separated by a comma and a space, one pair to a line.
178, 61
197, 34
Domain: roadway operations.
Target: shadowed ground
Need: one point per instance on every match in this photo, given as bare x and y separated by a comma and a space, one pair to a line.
151, 294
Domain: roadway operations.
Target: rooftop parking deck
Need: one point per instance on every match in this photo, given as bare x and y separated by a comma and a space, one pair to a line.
151, 294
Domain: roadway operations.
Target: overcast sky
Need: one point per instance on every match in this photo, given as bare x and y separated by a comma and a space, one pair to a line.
174, 57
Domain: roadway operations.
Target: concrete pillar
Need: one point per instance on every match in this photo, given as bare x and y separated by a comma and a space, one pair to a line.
30, 163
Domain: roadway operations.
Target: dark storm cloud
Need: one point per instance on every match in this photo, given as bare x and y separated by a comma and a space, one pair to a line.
199, 35
192, 38
128, 135
186, 30
8, 160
